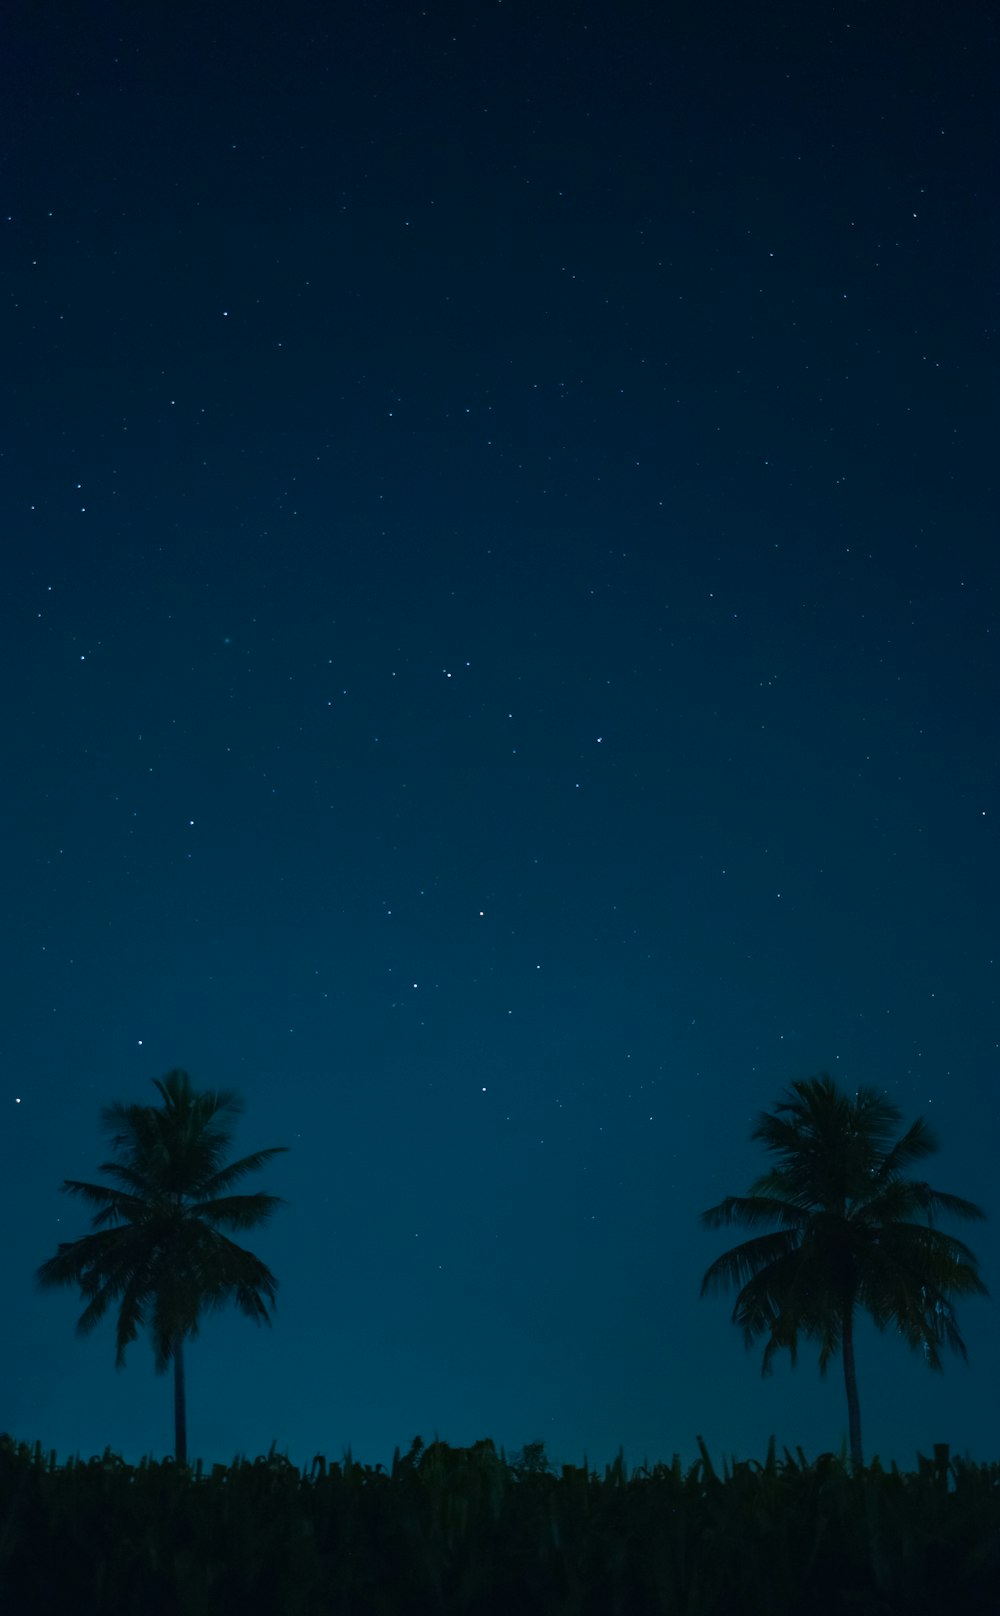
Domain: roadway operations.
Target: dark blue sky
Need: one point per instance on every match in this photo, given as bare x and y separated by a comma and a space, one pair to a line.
500, 666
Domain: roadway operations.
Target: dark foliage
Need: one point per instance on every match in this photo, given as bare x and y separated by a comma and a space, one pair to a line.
460, 1532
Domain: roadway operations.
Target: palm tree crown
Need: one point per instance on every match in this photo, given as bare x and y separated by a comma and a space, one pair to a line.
160, 1252
853, 1233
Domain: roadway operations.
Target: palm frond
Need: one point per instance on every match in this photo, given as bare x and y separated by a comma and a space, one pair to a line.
136, 1180
751, 1211
74, 1259
232, 1174
115, 1205
742, 1263
238, 1211
875, 1116
918, 1141
954, 1206
131, 1322
914, 1247
181, 1099
792, 1189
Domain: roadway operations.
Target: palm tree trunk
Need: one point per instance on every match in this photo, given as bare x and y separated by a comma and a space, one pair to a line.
851, 1383
180, 1404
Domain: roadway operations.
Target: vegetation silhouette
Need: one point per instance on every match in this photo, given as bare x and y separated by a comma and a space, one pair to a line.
159, 1251
468, 1532
854, 1234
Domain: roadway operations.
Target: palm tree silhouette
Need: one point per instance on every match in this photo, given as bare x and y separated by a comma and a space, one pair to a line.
160, 1253
853, 1234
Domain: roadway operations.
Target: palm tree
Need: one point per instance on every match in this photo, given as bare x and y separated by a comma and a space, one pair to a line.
160, 1253
853, 1233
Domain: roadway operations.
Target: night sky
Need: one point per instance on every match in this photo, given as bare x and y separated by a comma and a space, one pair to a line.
500, 667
